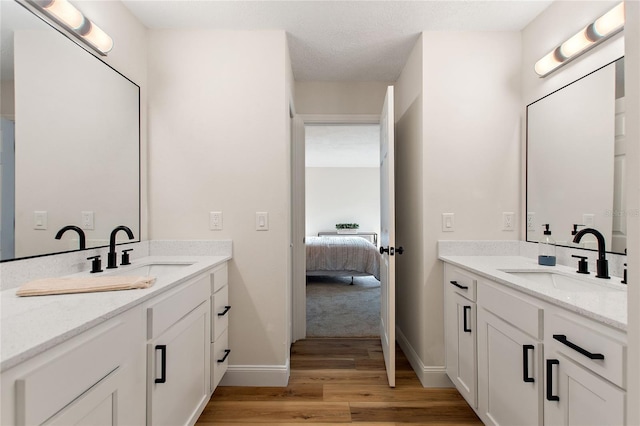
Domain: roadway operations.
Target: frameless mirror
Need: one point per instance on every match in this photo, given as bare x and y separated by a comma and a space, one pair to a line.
576, 160
70, 141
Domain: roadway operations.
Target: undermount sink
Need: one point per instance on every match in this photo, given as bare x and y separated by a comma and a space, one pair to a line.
561, 281
152, 269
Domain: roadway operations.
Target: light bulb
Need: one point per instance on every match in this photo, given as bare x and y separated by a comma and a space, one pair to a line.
98, 38
575, 44
610, 21
65, 12
548, 63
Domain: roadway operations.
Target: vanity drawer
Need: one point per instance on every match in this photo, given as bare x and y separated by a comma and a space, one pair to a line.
584, 341
219, 278
462, 282
175, 305
219, 312
518, 312
219, 358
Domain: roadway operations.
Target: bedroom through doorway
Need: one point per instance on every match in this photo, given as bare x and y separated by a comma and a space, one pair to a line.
342, 187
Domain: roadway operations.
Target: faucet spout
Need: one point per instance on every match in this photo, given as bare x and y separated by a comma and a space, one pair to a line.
112, 256
602, 265
83, 240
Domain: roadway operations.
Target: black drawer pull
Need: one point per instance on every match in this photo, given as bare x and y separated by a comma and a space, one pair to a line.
464, 287
563, 339
525, 363
223, 313
163, 364
465, 326
226, 354
550, 395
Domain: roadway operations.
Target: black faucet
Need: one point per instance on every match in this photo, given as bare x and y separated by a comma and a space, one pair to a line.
112, 257
83, 240
602, 265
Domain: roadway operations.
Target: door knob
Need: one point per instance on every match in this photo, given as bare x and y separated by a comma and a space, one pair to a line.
400, 250
384, 250
391, 250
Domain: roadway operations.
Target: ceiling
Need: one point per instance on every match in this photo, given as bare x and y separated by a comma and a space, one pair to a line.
339, 40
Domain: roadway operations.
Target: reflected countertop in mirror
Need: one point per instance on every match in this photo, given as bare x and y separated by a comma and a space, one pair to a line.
576, 160
70, 141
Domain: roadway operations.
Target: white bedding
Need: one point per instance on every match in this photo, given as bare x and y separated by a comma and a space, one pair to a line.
342, 255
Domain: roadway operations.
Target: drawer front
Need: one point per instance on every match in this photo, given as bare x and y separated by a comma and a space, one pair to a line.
219, 278
518, 312
219, 358
585, 342
462, 282
166, 312
219, 312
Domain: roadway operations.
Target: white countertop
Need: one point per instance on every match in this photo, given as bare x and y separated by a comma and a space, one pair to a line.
31, 325
606, 307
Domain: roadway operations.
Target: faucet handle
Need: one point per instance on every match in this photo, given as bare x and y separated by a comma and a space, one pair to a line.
96, 264
125, 257
624, 277
583, 266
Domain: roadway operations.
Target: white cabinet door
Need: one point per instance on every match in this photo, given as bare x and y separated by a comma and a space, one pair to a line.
178, 362
460, 342
575, 396
509, 373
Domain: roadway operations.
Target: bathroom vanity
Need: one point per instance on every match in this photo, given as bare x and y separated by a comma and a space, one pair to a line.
535, 345
149, 356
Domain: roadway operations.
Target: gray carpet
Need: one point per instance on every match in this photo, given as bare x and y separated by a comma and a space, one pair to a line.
337, 309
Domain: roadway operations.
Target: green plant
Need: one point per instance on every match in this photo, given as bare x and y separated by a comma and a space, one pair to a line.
347, 226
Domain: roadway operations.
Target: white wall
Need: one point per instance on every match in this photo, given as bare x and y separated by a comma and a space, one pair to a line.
342, 195
219, 131
470, 163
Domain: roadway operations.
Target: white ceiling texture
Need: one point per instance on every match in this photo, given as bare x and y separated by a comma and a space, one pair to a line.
339, 40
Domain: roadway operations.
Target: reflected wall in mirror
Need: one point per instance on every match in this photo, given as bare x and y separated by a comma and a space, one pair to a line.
70, 141
576, 160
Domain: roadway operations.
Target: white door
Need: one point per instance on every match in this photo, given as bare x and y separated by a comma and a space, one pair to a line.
387, 239
299, 259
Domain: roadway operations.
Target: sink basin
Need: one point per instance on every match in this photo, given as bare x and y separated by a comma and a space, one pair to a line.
561, 281
152, 269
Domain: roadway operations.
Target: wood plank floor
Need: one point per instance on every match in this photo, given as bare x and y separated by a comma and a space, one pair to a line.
339, 381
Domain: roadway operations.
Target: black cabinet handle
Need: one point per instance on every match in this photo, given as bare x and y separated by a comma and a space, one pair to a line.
226, 354
525, 363
223, 313
163, 363
563, 339
550, 395
464, 287
466, 328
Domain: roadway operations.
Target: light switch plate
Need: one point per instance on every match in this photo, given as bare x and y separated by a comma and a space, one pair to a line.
262, 221
39, 220
448, 223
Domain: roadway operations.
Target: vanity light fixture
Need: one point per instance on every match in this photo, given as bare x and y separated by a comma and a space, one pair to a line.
65, 14
602, 28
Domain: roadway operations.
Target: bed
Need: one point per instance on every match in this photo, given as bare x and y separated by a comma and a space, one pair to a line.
342, 256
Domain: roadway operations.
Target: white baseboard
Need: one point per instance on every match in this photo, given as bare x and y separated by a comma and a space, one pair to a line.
256, 375
429, 376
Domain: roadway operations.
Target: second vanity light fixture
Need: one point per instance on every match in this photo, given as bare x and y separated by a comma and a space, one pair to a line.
602, 28
65, 14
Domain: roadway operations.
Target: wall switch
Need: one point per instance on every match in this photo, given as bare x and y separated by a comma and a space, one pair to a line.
262, 221
508, 221
448, 224
39, 220
215, 221
588, 220
87, 220
531, 222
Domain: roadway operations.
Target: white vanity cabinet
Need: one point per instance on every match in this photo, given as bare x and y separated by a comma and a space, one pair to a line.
178, 353
460, 331
220, 309
510, 347
585, 373
96, 378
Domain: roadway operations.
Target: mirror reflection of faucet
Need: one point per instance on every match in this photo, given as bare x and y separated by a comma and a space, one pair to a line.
83, 240
602, 266
112, 261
